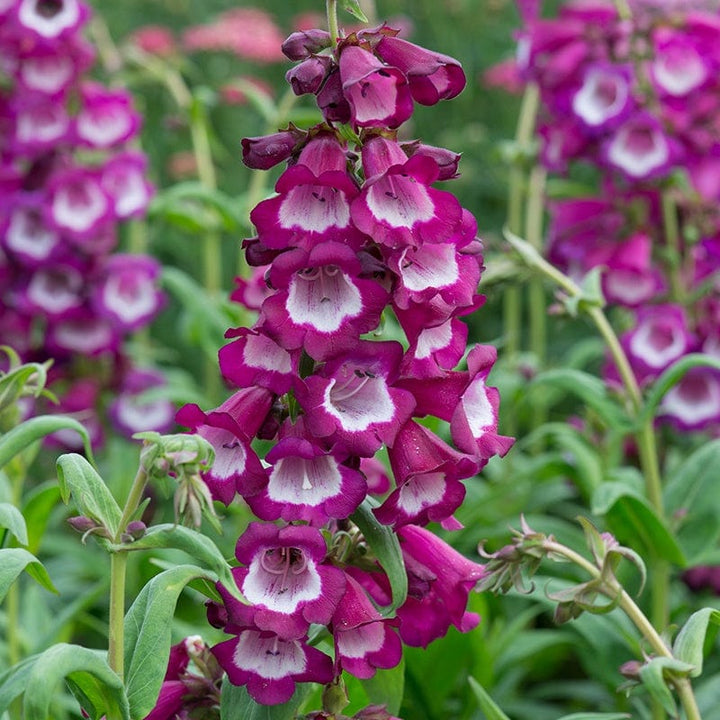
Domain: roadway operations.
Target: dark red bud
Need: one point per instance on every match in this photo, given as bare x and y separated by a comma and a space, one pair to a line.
302, 44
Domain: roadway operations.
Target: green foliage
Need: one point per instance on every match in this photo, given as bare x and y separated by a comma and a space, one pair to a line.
236, 704
13, 561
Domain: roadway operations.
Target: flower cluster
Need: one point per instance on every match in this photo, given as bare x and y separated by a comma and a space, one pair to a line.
67, 181
355, 242
637, 98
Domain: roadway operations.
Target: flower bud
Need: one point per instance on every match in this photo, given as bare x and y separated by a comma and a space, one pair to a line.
302, 44
447, 160
266, 151
308, 76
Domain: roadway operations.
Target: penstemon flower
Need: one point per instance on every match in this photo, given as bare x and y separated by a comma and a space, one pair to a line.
68, 181
356, 233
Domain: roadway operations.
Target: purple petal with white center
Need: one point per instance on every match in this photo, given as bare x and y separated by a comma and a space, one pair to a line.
131, 412
51, 20
85, 334
256, 359
438, 347
123, 178
78, 203
129, 295
307, 483
27, 237
639, 148
40, 125
326, 307
55, 290
694, 402
399, 208
604, 98
378, 94
678, 67
106, 117
353, 402
270, 666
364, 642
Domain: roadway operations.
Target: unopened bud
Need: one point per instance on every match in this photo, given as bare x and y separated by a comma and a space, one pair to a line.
134, 531
266, 151
304, 43
307, 77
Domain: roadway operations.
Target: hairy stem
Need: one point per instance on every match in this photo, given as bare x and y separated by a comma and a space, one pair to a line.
332, 20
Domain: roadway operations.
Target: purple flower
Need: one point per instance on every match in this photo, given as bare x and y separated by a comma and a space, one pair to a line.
51, 20
106, 118
269, 665
679, 66
397, 206
351, 401
309, 75
694, 402
378, 94
364, 641
262, 153
432, 76
284, 580
229, 429
130, 412
604, 99
123, 178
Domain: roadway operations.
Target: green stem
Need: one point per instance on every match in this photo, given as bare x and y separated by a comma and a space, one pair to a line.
613, 590
674, 251
332, 20
132, 503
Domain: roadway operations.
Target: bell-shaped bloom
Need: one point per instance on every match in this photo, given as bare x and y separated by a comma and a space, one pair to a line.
378, 94
306, 482
256, 359
26, 236
679, 67
397, 206
639, 148
309, 75
106, 117
41, 123
124, 179
694, 402
351, 401
284, 580
604, 99
130, 412
313, 201
659, 338
326, 305
230, 429
128, 293
56, 290
364, 641
51, 19
440, 580
80, 401
432, 76
270, 666
427, 473
84, 333
78, 203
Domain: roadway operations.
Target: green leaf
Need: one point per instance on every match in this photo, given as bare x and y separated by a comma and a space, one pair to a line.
353, 7
15, 383
36, 428
236, 704
199, 546
39, 503
589, 389
78, 478
13, 561
384, 543
387, 687
689, 644
487, 705
12, 519
86, 669
634, 523
652, 675
147, 635
692, 496
595, 716
14, 681
671, 377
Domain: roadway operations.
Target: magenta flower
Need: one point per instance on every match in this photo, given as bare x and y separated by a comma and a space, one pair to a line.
106, 117
432, 76
604, 99
378, 94
131, 413
270, 666
78, 203
58, 19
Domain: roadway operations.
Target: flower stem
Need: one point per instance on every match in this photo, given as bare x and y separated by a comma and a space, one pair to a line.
332, 20
672, 240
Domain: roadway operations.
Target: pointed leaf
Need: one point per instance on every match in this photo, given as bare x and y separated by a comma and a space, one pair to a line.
24, 435
652, 675
13, 561
634, 523
87, 669
12, 519
385, 545
199, 546
236, 704
147, 635
353, 7
78, 478
487, 705
39, 502
14, 681
689, 643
